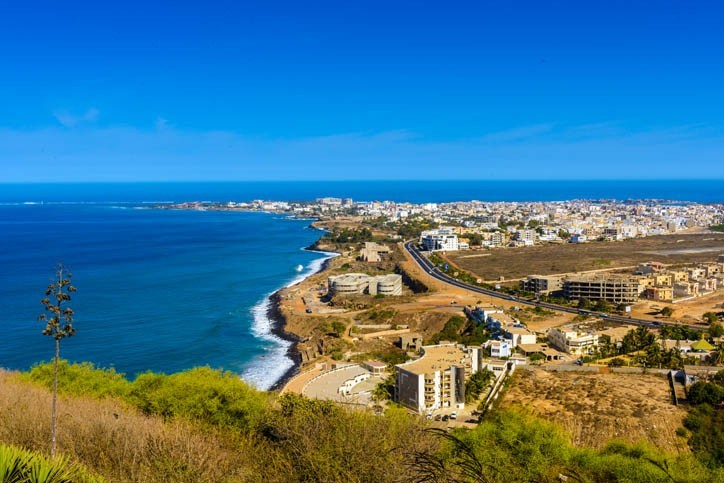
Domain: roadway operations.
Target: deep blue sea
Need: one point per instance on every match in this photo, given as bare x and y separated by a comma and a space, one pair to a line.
166, 290
158, 290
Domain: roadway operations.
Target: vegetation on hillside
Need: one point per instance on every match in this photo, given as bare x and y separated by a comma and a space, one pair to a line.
705, 420
21, 466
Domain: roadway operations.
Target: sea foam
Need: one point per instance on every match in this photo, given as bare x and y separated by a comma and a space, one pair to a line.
263, 373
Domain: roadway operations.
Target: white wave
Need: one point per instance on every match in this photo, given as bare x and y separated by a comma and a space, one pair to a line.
264, 373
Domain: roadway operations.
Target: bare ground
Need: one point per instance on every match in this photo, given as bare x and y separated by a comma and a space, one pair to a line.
513, 263
596, 408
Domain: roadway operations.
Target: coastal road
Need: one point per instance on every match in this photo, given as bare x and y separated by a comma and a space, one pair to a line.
428, 267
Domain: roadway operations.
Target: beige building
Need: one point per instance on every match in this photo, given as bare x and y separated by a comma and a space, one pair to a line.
437, 379
360, 283
573, 342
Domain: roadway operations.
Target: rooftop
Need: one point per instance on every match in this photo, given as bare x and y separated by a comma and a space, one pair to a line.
436, 358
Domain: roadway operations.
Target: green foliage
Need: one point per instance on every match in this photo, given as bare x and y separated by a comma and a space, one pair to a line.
83, 379
707, 434
476, 384
207, 395
452, 331
667, 312
536, 356
616, 362
21, 466
719, 227
705, 393
338, 328
716, 329
204, 394
511, 446
679, 332
385, 390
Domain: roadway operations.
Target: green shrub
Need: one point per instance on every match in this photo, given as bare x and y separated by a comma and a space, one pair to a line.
211, 396
80, 379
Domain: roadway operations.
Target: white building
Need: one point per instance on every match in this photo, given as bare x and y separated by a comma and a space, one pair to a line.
442, 239
572, 342
498, 348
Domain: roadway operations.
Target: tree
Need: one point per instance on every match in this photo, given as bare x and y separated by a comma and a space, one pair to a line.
716, 329
58, 320
710, 317
476, 384
666, 312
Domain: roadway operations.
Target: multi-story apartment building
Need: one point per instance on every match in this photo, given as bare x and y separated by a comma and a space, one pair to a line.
572, 341
437, 379
442, 239
612, 288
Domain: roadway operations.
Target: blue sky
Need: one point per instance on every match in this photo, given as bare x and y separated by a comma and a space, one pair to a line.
360, 90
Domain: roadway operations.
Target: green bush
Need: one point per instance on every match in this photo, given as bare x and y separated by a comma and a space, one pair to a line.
82, 379
211, 396
208, 395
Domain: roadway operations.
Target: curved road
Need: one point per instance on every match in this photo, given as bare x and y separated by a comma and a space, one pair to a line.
434, 272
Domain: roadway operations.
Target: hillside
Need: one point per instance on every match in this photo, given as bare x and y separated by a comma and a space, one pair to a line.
203, 425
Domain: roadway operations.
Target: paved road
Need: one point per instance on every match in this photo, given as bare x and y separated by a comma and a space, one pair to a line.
434, 272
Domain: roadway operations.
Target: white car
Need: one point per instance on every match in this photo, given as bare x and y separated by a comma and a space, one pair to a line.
453, 415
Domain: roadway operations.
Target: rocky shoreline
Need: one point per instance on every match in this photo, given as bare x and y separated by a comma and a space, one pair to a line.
279, 323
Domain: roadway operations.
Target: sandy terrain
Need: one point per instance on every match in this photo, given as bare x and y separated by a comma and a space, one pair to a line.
595, 408
513, 263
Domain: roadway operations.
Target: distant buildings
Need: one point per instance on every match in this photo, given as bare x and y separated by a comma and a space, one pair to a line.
442, 239
542, 284
360, 283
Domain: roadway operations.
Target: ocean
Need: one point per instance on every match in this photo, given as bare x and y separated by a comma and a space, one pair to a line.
166, 290
159, 290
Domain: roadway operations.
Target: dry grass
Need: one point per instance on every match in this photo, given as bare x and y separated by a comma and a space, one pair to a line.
596, 408
115, 441
573, 257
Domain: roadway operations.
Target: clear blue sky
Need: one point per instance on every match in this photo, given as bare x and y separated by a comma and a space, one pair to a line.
93, 91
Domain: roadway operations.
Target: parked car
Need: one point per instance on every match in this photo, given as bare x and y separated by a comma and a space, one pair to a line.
453, 415
445, 417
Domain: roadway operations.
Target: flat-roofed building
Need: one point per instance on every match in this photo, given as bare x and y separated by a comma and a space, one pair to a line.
542, 284
572, 341
437, 379
360, 283
442, 239
612, 288
661, 294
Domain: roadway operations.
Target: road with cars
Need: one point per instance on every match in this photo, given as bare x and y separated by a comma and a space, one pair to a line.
428, 267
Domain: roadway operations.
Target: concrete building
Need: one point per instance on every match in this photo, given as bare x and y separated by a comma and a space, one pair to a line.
612, 288
371, 252
572, 341
542, 284
360, 283
498, 348
442, 239
437, 379
519, 335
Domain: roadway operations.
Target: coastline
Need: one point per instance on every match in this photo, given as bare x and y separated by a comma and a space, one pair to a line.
279, 322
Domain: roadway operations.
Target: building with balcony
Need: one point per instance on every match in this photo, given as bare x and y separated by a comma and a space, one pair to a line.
572, 341
442, 239
437, 379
